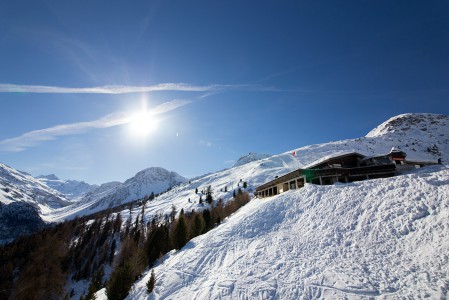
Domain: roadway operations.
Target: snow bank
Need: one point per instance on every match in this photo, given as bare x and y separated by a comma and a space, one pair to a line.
384, 238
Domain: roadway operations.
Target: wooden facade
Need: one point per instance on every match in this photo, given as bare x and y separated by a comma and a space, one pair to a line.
344, 168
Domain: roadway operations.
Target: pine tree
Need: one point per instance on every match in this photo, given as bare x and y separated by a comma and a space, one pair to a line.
95, 285
207, 220
245, 184
180, 234
198, 225
151, 282
119, 283
112, 252
209, 197
196, 191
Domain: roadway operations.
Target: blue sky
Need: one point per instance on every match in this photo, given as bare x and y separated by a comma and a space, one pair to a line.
221, 79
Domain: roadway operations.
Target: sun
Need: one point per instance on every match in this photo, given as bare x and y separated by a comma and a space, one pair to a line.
142, 124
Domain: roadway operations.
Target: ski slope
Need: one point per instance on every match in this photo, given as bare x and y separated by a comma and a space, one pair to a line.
383, 238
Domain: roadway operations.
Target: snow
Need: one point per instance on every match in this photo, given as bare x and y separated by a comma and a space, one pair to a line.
112, 194
20, 186
384, 238
250, 157
72, 189
378, 238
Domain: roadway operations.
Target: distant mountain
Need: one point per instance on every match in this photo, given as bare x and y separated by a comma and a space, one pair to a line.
22, 200
72, 189
18, 186
250, 157
108, 195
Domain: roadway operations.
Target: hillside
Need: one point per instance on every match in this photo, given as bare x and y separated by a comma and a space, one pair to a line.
250, 157
343, 234
382, 238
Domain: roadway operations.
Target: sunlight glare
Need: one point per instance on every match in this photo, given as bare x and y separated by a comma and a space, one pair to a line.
143, 124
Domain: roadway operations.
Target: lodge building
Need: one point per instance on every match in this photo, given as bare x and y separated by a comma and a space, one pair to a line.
344, 168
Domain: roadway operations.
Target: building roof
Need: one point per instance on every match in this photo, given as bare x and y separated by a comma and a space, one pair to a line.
332, 156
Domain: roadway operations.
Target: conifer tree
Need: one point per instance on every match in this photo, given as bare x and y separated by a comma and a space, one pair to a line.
198, 225
209, 197
207, 220
119, 283
151, 282
180, 234
95, 285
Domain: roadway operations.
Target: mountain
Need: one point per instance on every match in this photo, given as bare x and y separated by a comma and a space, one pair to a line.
381, 237
151, 180
22, 200
72, 189
413, 124
18, 186
250, 157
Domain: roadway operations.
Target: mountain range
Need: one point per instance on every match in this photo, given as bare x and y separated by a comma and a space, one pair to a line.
382, 237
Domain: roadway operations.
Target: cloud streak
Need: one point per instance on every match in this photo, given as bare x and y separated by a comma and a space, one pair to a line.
35, 137
107, 89
124, 89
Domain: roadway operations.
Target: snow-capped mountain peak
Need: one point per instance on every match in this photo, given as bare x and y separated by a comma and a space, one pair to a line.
250, 157
72, 189
48, 177
151, 180
20, 186
406, 124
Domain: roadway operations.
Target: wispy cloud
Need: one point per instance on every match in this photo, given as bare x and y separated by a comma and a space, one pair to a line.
206, 143
127, 89
35, 137
107, 89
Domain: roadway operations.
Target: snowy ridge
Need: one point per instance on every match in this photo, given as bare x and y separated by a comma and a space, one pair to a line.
407, 124
383, 237
72, 189
258, 172
145, 182
20, 186
250, 157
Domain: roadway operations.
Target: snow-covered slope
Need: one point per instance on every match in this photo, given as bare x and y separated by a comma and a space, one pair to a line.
249, 158
20, 186
145, 182
22, 199
255, 173
72, 189
383, 238
412, 124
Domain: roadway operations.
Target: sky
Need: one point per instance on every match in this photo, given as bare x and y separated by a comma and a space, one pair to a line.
99, 90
